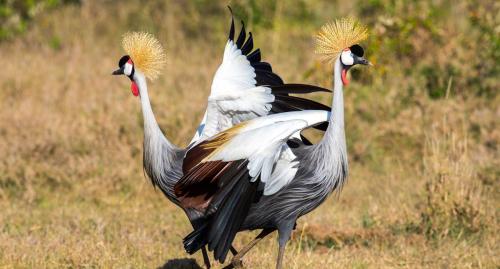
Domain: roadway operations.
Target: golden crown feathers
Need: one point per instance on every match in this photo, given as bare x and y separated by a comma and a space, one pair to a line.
146, 53
339, 35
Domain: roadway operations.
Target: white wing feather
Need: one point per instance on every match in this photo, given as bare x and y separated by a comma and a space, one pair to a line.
284, 171
263, 143
234, 96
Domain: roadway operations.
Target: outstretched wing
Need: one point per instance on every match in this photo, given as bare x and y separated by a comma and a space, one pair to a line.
260, 143
223, 174
245, 87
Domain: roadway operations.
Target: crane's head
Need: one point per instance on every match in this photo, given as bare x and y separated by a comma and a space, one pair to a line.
339, 40
126, 67
144, 56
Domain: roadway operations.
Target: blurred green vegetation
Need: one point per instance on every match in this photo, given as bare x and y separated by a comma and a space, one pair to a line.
15, 15
439, 46
431, 41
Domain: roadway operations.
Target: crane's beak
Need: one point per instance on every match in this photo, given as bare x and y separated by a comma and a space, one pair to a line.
118, 71
361, 60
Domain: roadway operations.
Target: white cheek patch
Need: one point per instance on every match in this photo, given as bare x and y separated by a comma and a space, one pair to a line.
128, 69
347, 58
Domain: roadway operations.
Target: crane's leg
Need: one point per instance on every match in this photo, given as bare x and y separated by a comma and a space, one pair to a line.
284, 233
281, 252
236, 261
206, 260
233, 250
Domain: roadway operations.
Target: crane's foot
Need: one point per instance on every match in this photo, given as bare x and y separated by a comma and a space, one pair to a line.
208, 266
235, 263
206, 260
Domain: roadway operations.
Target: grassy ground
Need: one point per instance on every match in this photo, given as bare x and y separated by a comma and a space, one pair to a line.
422, 127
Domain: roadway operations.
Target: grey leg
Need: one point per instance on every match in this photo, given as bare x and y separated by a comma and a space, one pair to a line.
284, 233
206, 260
281, 253
236, 261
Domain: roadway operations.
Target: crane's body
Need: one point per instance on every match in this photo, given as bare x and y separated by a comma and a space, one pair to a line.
163, 161
236, 180
320, 169
244, 88
312, 183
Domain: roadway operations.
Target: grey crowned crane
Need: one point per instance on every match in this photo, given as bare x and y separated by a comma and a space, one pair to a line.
243, 179
243, 88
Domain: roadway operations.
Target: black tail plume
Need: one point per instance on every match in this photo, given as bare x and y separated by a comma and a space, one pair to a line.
196, 239
231, 214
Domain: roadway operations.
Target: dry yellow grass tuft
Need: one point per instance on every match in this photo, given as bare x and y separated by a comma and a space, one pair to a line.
454, 201
424, 180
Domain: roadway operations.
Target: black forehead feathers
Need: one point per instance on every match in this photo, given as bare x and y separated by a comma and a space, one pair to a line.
357, 50
123, 60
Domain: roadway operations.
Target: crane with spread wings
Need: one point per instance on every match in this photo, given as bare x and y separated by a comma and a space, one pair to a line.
244, 87
248, 178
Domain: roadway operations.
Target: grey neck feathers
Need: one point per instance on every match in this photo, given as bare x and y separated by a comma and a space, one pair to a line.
330, 154
162, 160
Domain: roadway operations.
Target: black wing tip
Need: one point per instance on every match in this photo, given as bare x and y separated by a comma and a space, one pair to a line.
254, 57
248, 46
242, 36
231, 31
245, 44
301, 103
297, 88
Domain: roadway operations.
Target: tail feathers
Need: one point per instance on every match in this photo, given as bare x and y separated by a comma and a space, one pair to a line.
231, 214
227, 183
196, 239
225, 215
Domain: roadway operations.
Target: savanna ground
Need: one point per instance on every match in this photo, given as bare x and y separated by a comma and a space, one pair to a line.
422, 127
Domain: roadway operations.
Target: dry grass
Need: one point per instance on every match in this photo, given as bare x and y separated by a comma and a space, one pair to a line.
424, 180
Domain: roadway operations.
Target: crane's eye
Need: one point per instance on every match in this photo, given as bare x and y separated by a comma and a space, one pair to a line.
346, 58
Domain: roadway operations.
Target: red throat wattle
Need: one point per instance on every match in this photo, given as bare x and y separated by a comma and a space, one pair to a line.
134, 88
344, 77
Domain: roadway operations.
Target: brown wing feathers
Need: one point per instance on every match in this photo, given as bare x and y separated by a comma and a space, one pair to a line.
226, 210
200, 152
202, 179
199, 185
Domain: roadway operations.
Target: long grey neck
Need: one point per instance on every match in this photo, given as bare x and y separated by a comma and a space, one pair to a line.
336, 124
330, 154
162, 160
151, 127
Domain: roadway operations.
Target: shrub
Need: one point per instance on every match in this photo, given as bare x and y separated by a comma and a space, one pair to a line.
15, 14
